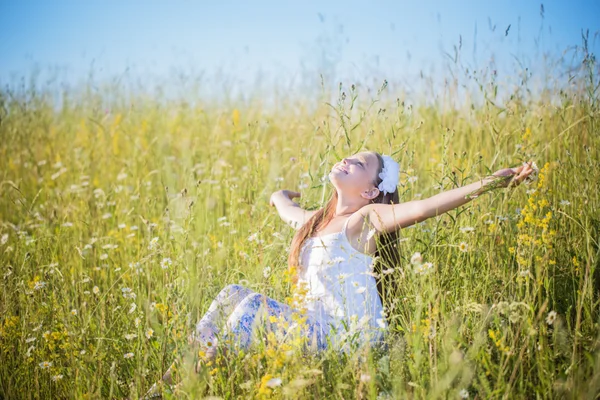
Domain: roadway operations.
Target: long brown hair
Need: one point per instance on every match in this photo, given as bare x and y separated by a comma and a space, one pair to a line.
387, 254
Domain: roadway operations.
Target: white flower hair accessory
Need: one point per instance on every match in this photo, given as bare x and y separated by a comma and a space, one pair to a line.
389, 175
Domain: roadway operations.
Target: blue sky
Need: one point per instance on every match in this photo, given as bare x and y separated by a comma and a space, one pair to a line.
285, 41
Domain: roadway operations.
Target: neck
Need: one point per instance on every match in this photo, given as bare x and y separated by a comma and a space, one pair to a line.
348, 205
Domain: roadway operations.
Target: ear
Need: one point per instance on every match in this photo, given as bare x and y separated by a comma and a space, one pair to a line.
370, 194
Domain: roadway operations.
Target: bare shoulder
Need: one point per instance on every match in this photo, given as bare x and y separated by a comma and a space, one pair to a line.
357, 220
358, 231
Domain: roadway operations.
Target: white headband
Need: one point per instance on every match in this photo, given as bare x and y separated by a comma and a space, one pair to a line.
389, 175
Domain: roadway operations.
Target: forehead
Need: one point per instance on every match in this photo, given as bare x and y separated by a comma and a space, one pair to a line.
368, 157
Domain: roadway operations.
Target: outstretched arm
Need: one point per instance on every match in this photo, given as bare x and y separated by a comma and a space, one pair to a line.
290, 212
389, 218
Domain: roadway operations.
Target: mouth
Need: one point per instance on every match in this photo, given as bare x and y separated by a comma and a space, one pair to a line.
341, 168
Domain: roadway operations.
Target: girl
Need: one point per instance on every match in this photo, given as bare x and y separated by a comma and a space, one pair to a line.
334, 250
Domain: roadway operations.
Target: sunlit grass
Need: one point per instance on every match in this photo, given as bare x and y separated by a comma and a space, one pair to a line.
122, 219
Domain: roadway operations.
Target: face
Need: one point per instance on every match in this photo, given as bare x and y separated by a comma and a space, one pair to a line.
355, 175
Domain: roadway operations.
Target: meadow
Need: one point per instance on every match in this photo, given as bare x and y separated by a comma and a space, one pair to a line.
122, 216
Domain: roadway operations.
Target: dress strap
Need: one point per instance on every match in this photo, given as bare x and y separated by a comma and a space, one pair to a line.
345, 226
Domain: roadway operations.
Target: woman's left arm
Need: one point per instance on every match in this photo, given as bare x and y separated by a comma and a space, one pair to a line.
388, 218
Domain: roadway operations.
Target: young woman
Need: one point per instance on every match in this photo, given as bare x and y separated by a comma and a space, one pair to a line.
333, 251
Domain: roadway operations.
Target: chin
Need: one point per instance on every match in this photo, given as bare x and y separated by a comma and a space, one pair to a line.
338, 181
334, 179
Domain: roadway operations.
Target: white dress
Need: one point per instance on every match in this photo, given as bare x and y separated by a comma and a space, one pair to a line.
342, 303
341, 287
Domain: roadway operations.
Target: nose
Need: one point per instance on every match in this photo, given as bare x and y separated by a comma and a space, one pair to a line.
345, 161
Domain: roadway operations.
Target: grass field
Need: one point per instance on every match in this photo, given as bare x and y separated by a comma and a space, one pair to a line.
122, 217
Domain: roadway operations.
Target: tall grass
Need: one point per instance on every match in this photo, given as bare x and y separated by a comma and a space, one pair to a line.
123, 216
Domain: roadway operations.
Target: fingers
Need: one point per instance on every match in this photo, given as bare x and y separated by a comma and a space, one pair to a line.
520, 173
525, 172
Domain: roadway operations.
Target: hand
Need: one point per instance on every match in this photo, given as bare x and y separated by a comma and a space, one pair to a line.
514, 176
287, 193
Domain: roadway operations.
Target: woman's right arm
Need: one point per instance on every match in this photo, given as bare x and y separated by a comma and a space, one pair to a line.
290, 212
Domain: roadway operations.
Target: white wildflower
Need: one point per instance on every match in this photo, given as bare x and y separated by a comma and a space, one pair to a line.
166, 263
342, 276
267, 271
45, 364
153, 243
551, 317
416, 259
128, 293
128, 355
58, 173
424, 269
